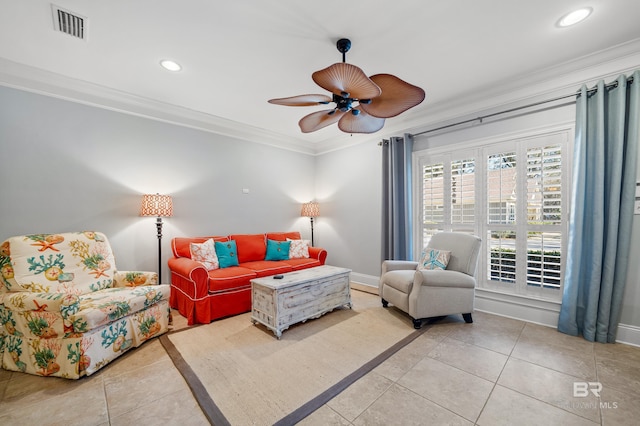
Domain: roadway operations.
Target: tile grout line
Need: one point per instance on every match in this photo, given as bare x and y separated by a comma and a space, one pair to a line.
320, 400
595, 367
500, 375
550, 369
395, 382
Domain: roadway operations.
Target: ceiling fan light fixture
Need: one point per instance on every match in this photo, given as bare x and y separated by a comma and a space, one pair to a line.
369, 99
574, 17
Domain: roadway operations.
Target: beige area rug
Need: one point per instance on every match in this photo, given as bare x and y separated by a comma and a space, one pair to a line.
242, 374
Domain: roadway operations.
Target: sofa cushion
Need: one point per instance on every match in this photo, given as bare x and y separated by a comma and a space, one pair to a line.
277, 250
205, 253
227, 253
282, 236
264, 268
298, 264
82, 313
106, 306
232, 278
181, 245
250, 246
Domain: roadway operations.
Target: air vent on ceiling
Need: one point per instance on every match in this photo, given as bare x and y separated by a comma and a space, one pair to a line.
69, 22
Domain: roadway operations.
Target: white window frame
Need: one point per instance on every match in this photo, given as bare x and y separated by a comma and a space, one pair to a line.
479, 151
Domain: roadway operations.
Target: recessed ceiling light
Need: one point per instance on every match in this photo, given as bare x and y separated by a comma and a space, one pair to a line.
170, 65
574, 17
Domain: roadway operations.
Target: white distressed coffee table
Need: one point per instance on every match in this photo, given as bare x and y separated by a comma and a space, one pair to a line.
298, 296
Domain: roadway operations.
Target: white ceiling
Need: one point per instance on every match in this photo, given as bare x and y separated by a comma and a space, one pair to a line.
238, 54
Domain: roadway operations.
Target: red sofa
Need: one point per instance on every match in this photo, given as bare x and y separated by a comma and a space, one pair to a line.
203, 296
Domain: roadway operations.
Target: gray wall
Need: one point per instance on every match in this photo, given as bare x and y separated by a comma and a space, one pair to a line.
349, 190
69, 167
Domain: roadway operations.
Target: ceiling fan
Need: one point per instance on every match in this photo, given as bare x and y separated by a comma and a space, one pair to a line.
361, 103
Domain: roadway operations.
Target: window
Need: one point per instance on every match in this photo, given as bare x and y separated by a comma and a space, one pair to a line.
513, 194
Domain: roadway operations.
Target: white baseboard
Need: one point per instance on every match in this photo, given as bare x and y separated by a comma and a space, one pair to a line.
367, 280
628, 334
366, 283
537, 311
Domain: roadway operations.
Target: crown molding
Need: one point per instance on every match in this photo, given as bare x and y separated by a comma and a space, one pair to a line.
564, 78
36, 80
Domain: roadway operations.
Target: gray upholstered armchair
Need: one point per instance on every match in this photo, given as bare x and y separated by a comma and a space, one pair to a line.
434, 293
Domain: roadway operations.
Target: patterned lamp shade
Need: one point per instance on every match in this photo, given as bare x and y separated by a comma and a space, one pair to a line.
310, 209
156, 205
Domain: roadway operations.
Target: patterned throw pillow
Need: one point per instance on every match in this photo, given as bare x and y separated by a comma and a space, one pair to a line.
277, 250
299, 249
205, 253
227, 253
434, 259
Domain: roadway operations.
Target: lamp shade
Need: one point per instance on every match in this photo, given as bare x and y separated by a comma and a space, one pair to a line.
156, 205
310, 209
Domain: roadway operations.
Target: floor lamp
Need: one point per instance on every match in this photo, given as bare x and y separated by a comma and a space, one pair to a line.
159, 206
310, 210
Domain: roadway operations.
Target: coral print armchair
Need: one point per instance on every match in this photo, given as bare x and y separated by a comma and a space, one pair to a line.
66, 311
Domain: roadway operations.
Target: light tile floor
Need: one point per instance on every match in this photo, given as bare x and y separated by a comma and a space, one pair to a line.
496, 371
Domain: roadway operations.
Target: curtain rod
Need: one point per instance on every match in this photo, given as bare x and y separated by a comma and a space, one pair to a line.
611, 85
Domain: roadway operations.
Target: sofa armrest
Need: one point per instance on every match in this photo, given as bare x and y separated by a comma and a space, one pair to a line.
134, 278
443, 278
394, 265
23, 301
318, 253
191, 277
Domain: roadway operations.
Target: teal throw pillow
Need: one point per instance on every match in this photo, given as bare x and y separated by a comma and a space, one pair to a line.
227, 253
277, 250
434, 259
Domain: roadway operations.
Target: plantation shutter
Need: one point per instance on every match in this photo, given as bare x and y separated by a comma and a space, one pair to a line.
511, 193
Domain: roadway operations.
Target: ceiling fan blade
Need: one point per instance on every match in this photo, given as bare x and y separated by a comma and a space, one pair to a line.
397, 96
302, 100
361, 123
318, 120
341, 78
